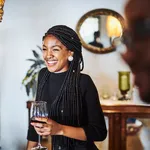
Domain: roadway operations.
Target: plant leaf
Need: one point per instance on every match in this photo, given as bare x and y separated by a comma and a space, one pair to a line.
27, 89
34, 65
30, 79
36, 55
31, 60
40, 62
34, 87
29, 73
39, 47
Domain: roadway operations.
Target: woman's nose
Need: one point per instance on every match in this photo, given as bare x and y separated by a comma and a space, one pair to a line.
49, 54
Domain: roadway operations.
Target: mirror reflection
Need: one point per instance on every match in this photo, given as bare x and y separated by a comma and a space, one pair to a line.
100, 30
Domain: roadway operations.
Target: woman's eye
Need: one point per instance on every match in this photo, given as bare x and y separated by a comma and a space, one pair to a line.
44, 49
55, 49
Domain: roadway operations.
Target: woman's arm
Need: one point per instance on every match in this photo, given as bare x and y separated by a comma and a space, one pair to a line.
95, 129
74, 132
53, 128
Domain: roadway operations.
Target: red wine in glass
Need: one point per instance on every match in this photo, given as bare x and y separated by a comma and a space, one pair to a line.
39, 109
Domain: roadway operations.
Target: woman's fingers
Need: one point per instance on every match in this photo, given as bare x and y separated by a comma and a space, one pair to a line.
43, 131
45, 128
38, 125
42, 128
41, 119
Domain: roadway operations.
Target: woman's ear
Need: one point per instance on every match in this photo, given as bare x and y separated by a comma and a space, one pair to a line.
71, 53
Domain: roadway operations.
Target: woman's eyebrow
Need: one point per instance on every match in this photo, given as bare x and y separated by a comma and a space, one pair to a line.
44, 46
53, 46
57, 46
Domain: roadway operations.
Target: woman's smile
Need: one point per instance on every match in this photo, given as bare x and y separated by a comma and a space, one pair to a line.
51, 62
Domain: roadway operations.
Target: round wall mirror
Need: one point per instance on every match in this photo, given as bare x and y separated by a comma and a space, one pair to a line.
100, 30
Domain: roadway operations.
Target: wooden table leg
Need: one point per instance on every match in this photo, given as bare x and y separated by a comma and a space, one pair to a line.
123, 132
111, 131
115, 132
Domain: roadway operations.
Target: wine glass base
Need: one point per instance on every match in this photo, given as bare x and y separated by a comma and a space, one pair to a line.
39, 148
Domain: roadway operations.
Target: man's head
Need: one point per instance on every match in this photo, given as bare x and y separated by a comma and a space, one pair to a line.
137, 40
97, 36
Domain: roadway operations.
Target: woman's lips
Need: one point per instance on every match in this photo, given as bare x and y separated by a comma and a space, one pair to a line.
51, 63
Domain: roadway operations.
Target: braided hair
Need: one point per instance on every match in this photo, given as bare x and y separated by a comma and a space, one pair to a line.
69, 95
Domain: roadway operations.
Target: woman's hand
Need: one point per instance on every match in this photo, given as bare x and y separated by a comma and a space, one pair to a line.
48, 127
51, 127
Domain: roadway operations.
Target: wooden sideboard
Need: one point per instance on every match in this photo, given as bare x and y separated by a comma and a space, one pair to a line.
118, 113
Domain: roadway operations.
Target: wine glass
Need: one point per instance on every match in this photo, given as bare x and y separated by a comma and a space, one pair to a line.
124, 84
39, 109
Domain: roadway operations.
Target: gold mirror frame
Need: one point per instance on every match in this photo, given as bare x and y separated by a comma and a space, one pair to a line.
96, 12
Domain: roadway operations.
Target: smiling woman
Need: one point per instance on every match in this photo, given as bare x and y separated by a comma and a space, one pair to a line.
108, 23
71, 96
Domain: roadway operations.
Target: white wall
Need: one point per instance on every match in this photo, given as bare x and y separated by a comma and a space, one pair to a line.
24, 23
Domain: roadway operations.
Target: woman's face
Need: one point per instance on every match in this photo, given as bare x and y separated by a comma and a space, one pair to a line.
55, 54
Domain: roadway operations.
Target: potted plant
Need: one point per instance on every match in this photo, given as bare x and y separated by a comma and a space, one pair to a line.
30, 79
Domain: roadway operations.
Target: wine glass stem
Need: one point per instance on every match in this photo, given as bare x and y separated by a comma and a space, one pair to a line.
39, 141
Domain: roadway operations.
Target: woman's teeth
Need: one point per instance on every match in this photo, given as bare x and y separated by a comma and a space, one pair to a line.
52, 62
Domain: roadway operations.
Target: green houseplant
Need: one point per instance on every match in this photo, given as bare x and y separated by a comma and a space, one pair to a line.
30, 79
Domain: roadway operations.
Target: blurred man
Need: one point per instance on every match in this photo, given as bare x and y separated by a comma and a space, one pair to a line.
96, 41
137, 40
